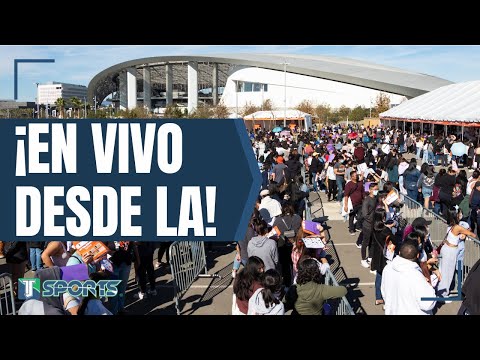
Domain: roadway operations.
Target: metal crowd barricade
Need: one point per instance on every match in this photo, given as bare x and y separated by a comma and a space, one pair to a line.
187, 263
438, 229
7, 296
338, 306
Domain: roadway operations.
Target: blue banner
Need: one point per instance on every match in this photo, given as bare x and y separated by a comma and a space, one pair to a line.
126, 179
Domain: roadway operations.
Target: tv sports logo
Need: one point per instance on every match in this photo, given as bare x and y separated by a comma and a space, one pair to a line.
28, 289
31, 288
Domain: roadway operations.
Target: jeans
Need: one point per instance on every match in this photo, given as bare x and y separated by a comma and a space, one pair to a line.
378, 287
419, 150
412, 194
236, 263
340, 181
436, 208
122, 272
36, 258
425, 156
430, 157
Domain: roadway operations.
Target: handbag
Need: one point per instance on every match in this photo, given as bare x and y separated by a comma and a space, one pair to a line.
439, 247
16, 253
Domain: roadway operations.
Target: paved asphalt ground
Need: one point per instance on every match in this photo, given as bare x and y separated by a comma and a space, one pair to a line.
209, 296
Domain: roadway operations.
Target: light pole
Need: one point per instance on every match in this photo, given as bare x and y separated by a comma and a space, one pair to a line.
38, 102
95, 100
285, 93
84, 107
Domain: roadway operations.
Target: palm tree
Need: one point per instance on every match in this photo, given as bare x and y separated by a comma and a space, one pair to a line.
77, 104
60, 104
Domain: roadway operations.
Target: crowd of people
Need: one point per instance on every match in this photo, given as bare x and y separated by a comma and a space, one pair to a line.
365, 170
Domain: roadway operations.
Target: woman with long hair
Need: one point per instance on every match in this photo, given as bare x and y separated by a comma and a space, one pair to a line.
410, 180
382, 245
425, 184
310, 293
449, 251
265, 301
247, 281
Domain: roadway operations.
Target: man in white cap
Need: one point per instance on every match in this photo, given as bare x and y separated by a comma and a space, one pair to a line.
269, 208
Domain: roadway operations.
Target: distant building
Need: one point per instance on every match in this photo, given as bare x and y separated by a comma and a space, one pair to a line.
49, 92
12, 104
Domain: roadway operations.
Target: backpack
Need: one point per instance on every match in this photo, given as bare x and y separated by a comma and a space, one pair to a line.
428, 181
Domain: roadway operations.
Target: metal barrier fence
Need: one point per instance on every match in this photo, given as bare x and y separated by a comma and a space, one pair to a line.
7, 296
337, 306
187, 262
438, 230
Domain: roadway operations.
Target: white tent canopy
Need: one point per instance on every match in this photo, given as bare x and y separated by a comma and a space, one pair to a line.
277, 115
454, 104
270, 119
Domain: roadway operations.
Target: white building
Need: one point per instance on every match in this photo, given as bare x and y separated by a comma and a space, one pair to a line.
49, 92
255, 85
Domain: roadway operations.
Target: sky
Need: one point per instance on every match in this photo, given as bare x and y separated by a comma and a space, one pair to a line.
78, 64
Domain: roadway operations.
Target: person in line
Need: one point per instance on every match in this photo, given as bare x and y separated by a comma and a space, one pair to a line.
449, 252
354, 191
145, 269
264, 300
247, 281
36, 248
55, 254
368, 210
425, 185
383, 247
475, 208
404, 286
269, 208
410, 180
332, 181
263, 247
122, 255
287, 223
310, 293
241, 255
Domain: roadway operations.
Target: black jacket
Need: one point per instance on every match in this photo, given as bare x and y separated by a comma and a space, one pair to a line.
471, 290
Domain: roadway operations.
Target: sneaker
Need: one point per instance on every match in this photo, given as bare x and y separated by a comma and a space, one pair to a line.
374, 272
369, 260
352, 232
157, 264
140, 295
358, 230
2, 256
358, 246
365, 263
152, 292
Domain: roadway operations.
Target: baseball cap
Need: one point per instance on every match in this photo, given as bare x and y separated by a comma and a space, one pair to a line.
264, 192
420, 222
464, 224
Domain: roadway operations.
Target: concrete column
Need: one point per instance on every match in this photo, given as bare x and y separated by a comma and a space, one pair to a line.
215, 84
131, 88
169, 83
147, 88
122, 89
192, 86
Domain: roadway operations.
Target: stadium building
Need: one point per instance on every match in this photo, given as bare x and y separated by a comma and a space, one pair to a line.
240, 79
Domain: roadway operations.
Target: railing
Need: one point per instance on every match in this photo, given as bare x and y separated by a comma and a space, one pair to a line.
7, 296
187, 263
438, 229
337, 306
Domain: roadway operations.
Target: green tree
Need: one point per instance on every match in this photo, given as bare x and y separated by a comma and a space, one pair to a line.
358, 113
323, 113
382, 103
248, 109
220, 111
203, 111
306, 106
60, 104
267, 105
76, 104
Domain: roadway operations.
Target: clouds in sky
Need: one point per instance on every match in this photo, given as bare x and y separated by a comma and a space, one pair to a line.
78, 64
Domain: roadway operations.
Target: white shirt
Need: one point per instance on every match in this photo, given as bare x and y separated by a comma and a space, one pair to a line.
403, 287
330, 174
